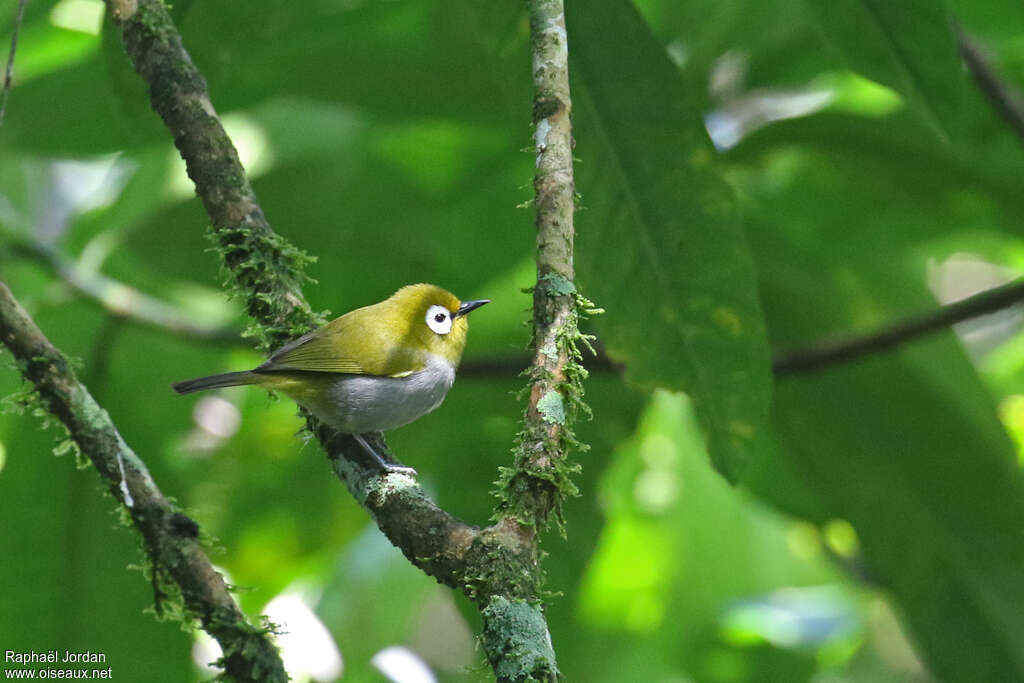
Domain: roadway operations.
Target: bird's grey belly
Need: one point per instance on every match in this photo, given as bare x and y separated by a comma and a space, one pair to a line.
362, 403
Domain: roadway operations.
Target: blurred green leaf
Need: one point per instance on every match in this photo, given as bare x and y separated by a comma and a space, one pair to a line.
773, 34
1001, 20
887, 177
908, 46
659, 245
933, 493
906, 446
683, 548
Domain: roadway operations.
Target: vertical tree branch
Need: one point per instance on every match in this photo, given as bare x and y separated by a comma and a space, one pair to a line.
554, 189
170, 538
534, 489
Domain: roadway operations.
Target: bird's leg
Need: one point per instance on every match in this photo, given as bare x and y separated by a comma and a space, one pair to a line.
386, 466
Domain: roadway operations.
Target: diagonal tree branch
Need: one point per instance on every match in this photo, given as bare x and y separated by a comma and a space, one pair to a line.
262, 267
171, 538
1007, 102
824, 353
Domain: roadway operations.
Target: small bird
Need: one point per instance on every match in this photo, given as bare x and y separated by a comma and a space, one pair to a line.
371, 370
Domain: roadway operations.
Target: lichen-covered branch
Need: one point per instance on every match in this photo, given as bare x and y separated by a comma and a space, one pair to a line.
496, 567
170, 538
430, 537
534, 489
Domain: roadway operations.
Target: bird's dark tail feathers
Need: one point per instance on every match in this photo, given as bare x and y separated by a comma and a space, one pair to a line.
228, 379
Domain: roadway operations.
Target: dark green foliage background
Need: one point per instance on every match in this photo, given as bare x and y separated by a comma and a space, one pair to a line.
387, 139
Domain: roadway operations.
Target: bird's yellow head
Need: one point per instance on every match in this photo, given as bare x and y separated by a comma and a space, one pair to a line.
435, 319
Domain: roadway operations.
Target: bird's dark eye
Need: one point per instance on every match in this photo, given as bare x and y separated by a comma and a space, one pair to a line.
439, 318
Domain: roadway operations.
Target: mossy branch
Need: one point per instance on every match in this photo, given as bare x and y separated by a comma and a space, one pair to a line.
261, 267
497, 566
535, 488
170, 538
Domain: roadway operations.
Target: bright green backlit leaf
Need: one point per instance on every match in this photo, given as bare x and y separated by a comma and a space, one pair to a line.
627, 583
857, 95
85, 16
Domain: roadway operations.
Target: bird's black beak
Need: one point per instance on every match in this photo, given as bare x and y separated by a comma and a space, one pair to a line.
468, 306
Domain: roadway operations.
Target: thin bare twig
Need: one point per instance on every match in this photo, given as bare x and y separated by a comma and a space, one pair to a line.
1004, 98
511, 365
124, 301
825, 354
9, 70
816, 356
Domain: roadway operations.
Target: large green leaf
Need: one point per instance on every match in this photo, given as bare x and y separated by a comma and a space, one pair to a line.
907, 448
992, 20
659, 245
908, 46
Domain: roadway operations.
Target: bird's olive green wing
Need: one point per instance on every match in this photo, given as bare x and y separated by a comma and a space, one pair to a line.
357, 343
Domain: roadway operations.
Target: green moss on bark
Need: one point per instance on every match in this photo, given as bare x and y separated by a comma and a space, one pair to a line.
517, 641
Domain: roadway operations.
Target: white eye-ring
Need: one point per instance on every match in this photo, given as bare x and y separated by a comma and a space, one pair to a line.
439, 319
